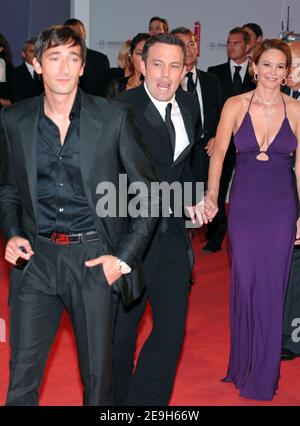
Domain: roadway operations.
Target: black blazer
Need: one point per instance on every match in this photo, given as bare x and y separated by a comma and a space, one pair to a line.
156, 138
211, 98
224, 75
93, 80
116, 87
24, 86
110, 144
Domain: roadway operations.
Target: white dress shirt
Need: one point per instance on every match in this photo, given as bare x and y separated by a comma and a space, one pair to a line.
243, 70
181, 137
30, 69
184, 83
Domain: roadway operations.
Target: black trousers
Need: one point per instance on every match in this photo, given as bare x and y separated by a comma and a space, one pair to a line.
55, 279
167, 272
216, 229
291, 320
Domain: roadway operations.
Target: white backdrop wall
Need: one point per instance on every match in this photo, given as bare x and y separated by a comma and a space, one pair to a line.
112, 21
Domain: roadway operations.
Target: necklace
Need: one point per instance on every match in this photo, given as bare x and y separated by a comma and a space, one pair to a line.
263, 155
268, 103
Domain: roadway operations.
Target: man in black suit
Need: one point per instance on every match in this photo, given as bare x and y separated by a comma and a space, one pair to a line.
93, 80
234, 79
291, 319
26, 82
167, 122
205, 87
63, 152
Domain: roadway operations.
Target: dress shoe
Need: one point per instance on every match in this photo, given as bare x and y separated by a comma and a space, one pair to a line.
212, 247
287, 355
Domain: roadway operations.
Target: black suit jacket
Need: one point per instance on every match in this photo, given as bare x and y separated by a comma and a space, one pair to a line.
156, 137
211, 99
226, 89
24, 86
93, 80
224, 76
110, 144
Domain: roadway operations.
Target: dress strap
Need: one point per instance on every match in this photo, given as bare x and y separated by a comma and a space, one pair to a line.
250, 101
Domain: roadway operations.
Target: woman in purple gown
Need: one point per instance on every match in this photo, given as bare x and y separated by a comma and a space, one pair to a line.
263, 220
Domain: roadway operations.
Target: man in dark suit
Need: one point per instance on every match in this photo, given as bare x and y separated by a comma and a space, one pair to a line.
167, 122
234, 79
26, 82
63, 152
291, 319
96, 65
205, 87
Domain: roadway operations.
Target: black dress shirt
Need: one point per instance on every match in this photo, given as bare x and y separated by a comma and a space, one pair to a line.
62, 204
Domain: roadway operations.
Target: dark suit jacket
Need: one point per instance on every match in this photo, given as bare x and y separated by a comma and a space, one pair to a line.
93, 81
156, 137
110, 144
224, 76
116, 87
211, 99
24, 86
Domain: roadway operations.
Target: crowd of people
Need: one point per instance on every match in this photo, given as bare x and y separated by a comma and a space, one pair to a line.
169, 122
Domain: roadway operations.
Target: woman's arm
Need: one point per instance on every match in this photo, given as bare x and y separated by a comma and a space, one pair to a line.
225, 129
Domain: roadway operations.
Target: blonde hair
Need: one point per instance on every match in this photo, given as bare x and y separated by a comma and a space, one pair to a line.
123, 53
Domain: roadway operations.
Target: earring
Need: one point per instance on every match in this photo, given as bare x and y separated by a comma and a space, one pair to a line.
284, 81
255, 77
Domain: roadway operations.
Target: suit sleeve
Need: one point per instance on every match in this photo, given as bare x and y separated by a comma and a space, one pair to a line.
10, 203
139, 169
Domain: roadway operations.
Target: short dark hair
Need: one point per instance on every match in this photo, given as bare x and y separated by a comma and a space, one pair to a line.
31, 40
182, 30
240, 30
255, 28
58, 35
164, 38
162, 20
136, 39
73, 21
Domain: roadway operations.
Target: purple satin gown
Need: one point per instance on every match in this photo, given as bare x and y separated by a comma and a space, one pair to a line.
262, 227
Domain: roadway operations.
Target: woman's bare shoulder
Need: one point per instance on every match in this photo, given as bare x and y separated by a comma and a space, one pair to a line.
239, 100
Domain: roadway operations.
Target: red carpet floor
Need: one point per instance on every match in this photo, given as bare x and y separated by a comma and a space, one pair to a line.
204, 357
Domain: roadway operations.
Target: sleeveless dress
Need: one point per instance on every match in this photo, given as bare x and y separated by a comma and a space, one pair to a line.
262, 227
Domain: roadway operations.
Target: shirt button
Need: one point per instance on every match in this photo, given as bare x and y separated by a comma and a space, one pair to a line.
61, 184
61, 210
60, 157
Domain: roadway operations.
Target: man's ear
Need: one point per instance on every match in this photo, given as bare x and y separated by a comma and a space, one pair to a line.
183, 72
37, 66
82, 70
143, 67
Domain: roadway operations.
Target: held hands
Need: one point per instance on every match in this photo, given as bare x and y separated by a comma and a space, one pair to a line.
297, 241
110, 266
210, 205
13, 251
196, 213
210, 147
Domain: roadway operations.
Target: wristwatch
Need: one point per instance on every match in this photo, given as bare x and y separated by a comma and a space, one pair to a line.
123, 267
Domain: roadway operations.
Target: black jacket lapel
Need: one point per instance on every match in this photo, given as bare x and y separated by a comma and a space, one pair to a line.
154, 118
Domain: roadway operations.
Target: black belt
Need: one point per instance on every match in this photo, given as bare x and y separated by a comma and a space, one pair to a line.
59, 238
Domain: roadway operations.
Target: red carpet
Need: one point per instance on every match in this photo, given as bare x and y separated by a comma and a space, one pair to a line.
204, 357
